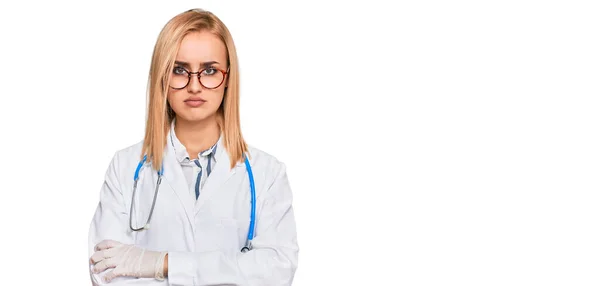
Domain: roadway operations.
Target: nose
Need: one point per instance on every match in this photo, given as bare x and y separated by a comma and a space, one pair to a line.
194, 85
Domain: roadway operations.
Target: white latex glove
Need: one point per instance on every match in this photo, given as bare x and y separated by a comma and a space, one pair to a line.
127, 260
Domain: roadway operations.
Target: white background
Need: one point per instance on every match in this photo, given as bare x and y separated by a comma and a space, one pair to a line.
427, 142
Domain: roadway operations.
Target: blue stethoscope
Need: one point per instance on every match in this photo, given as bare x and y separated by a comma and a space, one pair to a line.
248, 245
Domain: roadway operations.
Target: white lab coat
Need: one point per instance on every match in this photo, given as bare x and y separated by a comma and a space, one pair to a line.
203, 238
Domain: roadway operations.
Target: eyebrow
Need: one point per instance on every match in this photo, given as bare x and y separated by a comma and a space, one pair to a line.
204, 64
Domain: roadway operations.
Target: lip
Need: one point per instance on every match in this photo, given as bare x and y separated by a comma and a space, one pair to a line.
194, 101
195, 98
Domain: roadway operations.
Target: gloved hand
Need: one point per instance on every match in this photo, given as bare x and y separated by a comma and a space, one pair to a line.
127, 260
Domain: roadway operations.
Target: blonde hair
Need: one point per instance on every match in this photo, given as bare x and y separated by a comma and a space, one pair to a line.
160, 114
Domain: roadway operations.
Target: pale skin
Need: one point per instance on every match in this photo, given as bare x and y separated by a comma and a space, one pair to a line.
196, 127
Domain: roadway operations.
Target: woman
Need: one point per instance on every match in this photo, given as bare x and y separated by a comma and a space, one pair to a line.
195, 228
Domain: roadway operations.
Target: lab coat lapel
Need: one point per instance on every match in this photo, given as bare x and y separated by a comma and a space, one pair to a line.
219, 175
174, 177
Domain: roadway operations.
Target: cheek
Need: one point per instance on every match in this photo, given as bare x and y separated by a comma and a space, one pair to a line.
170, 96
219, 99
175, 100
174, 96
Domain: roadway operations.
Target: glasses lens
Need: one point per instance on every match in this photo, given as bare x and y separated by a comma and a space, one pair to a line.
211, 78
179, 80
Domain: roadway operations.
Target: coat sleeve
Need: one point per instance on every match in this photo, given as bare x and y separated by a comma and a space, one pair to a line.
111, 221
272, 261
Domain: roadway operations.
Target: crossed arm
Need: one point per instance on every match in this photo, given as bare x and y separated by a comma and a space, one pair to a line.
272, 261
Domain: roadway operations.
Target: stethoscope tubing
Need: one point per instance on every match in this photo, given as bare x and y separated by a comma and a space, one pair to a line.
247, 246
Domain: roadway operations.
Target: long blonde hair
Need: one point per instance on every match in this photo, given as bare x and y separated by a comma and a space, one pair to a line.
160, 114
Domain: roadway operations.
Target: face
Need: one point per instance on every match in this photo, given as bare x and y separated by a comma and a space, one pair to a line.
200, 54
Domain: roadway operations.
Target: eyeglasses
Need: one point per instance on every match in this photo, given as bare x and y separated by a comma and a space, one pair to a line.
210, 77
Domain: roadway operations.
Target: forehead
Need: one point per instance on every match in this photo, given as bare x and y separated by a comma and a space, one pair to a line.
200, 47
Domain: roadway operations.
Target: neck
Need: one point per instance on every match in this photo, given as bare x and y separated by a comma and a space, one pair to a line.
197, 136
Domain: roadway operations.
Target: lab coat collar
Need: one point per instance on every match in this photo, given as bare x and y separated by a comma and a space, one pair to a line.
219, 175
175, 178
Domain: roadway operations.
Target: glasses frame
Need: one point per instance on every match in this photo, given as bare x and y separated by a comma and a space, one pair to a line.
198, 73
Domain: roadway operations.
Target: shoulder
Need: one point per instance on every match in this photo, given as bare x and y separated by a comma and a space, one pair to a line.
129, 153
270, 173
263, 159
266, 166
126, 159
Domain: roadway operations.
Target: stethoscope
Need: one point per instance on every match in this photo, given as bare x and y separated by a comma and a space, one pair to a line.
248, 245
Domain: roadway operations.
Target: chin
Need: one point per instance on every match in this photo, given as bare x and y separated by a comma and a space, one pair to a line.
196, 116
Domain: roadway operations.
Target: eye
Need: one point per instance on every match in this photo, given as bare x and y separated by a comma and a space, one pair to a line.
179, 71
209, 71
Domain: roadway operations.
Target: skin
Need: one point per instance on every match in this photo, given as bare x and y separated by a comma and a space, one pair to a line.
196, 127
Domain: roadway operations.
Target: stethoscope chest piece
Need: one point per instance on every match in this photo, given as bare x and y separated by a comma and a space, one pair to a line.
247, 247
